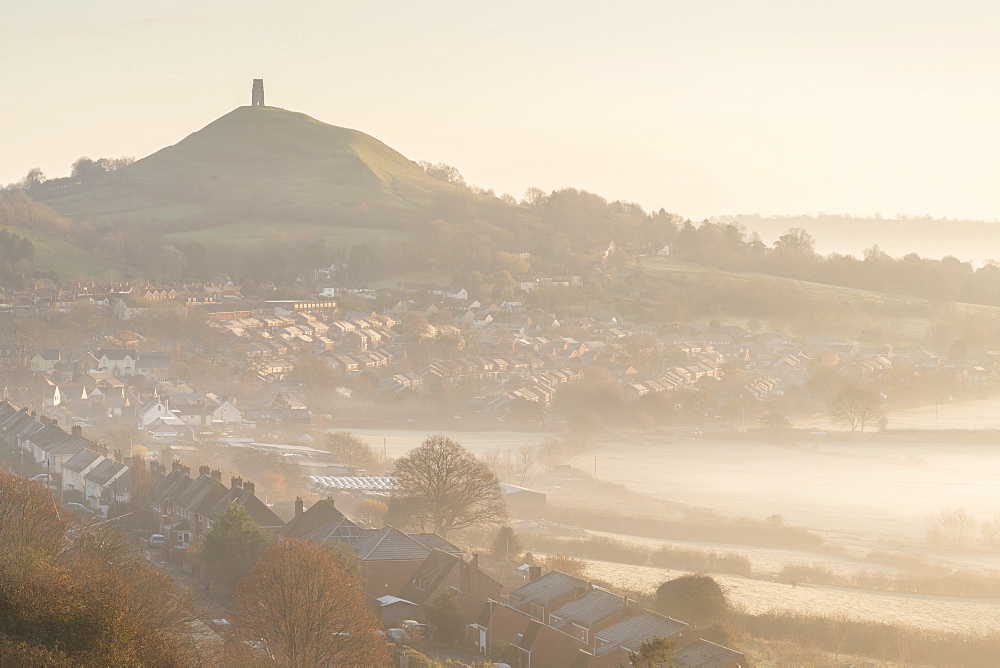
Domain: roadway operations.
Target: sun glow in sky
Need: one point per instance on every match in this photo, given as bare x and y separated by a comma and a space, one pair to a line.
702, 107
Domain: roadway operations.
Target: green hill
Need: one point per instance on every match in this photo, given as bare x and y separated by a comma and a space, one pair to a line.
267, 165
65, 259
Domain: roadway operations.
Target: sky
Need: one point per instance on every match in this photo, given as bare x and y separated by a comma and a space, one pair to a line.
702, 107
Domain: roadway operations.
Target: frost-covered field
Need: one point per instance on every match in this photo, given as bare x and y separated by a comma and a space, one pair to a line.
756, 596
862, 491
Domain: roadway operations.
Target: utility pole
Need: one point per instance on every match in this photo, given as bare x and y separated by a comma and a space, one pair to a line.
385, 449
595, 470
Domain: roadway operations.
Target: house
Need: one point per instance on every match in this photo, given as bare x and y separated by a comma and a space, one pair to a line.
322, 523
103, 477
614, 643
77, 467
586, 616
389, 558
208, 411
191, 506
547, 593
120, 362
153, 366
151, 412
446, 569
45, 359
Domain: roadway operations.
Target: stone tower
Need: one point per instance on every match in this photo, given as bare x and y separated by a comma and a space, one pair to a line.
257, 97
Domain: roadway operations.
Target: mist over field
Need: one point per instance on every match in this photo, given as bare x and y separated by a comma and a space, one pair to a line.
424, 335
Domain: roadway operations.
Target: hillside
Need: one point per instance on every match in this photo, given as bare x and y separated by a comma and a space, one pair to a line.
264, 164
813, 307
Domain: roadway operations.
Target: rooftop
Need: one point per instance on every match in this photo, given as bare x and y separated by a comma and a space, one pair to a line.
545, 589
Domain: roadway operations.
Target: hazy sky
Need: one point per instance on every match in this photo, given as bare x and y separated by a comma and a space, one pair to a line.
702, 107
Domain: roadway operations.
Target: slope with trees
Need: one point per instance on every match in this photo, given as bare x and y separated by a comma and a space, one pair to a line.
81, 595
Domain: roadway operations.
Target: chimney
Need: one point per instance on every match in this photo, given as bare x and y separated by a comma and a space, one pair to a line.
204, 470
236, 482
298, 506
250, 487
216, 474
534, 572
77, 430
175, 465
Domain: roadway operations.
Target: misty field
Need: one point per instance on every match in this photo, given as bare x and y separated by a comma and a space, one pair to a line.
759, 596
862, 491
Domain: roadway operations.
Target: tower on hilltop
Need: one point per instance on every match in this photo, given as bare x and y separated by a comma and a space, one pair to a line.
257, 97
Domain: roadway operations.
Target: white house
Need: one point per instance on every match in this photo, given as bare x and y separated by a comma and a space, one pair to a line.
153, 411
119, 362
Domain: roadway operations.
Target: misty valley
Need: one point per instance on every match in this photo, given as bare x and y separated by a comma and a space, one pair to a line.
277, 394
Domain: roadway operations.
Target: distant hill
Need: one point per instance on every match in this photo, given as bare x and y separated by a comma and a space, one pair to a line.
262, 164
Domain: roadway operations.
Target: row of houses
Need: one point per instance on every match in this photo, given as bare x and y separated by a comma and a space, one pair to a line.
557, 619
79, 464
154, 366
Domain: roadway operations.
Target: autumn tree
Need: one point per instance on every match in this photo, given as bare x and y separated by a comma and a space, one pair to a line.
857, 407
447, 487
233, 545
371, 513
298, 608
82, 595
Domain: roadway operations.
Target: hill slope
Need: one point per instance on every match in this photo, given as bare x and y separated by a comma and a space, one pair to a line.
268, 164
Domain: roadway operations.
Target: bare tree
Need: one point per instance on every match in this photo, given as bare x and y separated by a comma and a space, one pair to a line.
29, 517
443, 172
299, 608
950, 528
500, 462
857, 407
534, 196
447, 487
523, 466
